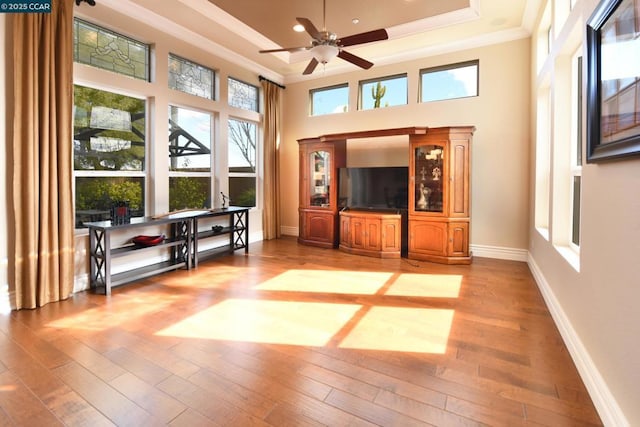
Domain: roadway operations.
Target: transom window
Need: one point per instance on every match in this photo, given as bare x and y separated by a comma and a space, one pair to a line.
243, 95
383, 92
449, 81
102, 48
329, 100
191, 78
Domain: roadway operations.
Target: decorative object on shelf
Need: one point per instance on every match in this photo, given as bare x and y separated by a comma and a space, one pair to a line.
217, 228
424, 192
423, 174
225, 199
613, 81
143, 240
436, 173
120, 212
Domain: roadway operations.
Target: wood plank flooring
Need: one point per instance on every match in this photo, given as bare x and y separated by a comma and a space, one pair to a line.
291, 335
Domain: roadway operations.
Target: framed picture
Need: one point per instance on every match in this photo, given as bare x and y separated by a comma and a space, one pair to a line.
613, 80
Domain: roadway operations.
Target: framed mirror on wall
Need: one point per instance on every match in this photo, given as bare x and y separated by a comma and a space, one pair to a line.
613, 80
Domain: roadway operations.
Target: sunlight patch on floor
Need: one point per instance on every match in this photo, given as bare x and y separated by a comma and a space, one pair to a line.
426, 285
327, 281
259, 321
115, 313
419, 330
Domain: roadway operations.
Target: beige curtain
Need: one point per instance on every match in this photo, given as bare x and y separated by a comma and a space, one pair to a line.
272, 125
42, 270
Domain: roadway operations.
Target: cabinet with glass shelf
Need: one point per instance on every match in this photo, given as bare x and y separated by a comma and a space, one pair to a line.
318, 203
439, 195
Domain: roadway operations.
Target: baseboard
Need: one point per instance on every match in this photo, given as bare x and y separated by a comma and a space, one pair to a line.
603, 399
498, 252
289, 231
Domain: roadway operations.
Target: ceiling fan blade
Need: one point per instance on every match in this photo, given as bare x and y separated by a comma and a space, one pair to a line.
312, 66
356, 60
310, 28
367, 37
286, 49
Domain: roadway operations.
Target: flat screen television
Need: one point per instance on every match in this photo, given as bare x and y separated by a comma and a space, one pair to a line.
374, 188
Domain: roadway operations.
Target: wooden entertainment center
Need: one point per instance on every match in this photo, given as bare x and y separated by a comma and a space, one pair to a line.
437, 225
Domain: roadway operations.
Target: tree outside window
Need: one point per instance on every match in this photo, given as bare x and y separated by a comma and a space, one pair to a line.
242, 162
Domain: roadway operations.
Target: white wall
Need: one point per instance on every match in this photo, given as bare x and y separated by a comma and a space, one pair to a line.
596, 307
500, 148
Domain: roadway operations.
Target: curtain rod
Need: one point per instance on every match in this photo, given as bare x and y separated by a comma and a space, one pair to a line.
261, 78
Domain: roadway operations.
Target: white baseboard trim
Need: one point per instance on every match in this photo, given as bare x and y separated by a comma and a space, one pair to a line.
499, 252
603, 399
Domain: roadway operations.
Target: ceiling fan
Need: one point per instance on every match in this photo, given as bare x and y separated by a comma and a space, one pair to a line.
326, 45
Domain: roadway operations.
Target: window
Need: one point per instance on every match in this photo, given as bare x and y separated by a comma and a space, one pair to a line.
189, 77
109, 153
543, 162
383, 92
449, 82
190, 137
101, 48
576, 149
328, 100
243, 95
242, 162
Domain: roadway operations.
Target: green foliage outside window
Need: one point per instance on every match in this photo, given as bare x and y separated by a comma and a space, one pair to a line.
188, 192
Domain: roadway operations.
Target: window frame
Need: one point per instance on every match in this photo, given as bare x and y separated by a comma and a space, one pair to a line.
214, 76
143, 173
447, 67
576, 156
147, 47
312, 92
362, 83
258, 156
194, 174
257, 100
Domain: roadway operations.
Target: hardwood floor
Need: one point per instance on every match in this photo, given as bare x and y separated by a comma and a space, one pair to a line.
291, 335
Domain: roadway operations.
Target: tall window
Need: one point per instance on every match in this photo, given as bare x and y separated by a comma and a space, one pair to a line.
576, 149
243, 95
101, 48
543, 162
383, 92
189, 158
109, 153
189, 77
243, 136
328, 100
449, 81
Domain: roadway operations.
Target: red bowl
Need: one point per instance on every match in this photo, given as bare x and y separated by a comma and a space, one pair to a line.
148, 240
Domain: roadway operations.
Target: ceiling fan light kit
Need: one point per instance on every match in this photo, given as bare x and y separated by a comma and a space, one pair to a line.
324, 53
326, 45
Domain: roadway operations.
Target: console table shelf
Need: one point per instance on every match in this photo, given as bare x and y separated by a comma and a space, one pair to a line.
181, 242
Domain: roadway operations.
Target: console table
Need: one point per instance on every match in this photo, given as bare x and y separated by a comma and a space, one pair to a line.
181, 242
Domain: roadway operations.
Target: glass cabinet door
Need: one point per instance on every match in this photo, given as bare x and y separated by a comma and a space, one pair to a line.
429, 167
319, 194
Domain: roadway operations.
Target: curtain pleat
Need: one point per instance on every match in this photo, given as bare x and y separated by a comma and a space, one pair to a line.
272, 125
42, 270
